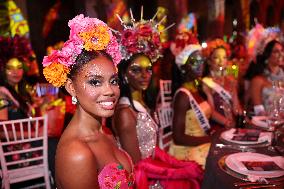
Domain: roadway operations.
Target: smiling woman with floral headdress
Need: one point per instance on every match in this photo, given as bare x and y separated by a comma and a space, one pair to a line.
86, 156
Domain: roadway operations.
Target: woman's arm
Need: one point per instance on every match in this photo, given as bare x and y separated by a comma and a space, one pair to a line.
76, 167
125, 128
181, 106
256, 86
237, 108
5, 93
3, 111
216, 116
256, 90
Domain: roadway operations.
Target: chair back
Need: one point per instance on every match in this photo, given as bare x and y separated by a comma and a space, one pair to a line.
166, 92
23, 151
165, 115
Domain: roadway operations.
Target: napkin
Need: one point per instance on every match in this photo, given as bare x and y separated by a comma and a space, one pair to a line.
260, 121
269, 164
263, 136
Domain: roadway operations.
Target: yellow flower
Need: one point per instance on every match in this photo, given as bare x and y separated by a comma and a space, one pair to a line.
56, 74
96, 39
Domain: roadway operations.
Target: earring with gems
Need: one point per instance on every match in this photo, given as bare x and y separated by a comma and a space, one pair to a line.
74, 100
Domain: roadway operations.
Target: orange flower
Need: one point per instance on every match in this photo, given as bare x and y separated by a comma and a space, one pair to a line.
56, 74
96, 39
214, 44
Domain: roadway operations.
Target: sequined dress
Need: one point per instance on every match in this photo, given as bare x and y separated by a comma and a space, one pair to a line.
157, 169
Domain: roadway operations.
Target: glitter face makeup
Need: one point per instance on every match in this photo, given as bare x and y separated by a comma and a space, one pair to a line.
14, 71
139, 73
97, 88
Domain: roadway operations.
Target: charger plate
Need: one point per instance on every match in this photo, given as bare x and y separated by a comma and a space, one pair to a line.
222, 165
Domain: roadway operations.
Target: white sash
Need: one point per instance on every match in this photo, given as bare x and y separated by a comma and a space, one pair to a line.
136, 104
225, 95
202, 119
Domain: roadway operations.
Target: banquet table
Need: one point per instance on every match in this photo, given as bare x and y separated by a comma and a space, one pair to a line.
215, 177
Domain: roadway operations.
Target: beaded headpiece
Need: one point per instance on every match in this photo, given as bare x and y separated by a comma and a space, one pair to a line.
141, 37
86, 33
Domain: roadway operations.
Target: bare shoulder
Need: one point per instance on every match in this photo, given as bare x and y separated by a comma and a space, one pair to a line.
73, 150
75, 165
258, 79
180, 97
124, 117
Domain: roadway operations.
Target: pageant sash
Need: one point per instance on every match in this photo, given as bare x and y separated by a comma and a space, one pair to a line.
218, 88
202, 119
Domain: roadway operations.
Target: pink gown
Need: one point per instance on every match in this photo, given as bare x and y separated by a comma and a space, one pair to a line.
157, 169
114, 176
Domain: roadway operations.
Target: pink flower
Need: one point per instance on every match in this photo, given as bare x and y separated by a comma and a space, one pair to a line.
145, 30
129, 38
156, 39
70, 51
81, 23
53, 57
113, 50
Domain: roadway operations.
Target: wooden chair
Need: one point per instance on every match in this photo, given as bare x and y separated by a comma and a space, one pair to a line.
23, 151
165, 115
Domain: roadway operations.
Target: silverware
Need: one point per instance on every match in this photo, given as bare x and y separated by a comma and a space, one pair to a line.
260, 186
255, 183
236, 147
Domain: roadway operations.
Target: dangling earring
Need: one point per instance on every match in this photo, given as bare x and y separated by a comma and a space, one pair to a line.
74, 100
126, 79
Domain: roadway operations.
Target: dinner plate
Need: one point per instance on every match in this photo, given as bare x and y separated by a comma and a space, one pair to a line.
260, 121
237, 162
264, 137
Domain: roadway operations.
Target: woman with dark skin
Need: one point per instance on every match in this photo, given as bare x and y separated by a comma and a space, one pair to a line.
190, 133
86, 156
136, 131
83, 144
137, 75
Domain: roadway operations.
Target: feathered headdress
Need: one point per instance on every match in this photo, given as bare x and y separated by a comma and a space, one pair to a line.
258, 37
